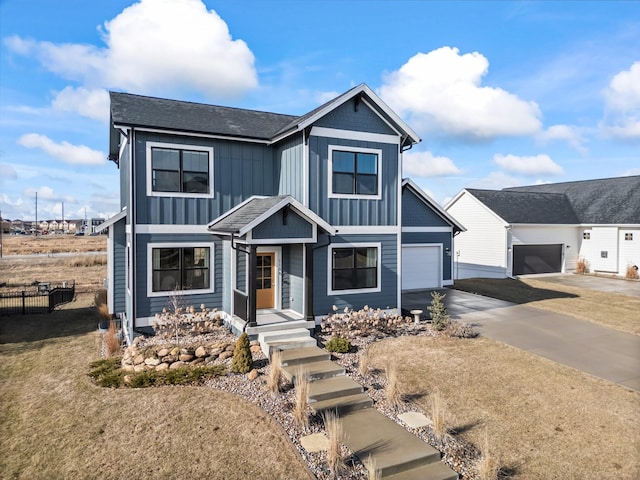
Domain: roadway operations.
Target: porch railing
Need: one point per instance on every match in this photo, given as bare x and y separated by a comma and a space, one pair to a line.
241, 305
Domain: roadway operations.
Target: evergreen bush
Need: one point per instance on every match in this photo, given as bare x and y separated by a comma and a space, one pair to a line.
439, 315
242, 360
339, 345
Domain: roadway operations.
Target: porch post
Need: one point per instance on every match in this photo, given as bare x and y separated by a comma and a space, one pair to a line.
251, 288
308, 281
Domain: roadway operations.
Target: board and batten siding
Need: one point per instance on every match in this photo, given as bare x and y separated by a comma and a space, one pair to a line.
240, 170
149, 306
346, 117
431, 238
567, 236
483, 247
290, 165
124, 163
387, 297
353, 211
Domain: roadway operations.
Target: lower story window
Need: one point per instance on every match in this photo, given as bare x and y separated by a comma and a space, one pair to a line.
354, 268
184, 268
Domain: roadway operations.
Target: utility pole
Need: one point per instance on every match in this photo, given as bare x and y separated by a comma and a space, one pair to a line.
1, 232
62, 217
36, 214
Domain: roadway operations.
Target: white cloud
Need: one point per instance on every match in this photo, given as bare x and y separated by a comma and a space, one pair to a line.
534, 165
425, 164
155, 45
564, 133
496, 181
63, 151
48, 194
622, 105
631, 172
441, 92
7, 172
91, 103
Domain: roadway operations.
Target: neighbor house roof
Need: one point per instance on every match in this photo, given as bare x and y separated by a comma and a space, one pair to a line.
128, 110
603, 201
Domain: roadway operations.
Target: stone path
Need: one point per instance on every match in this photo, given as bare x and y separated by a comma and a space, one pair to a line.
377, 440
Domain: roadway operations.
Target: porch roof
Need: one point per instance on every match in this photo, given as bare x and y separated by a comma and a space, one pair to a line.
255, 210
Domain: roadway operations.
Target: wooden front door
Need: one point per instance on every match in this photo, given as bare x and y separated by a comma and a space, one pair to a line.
265, 280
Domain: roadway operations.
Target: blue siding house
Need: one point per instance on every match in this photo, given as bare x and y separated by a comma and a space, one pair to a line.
252, 211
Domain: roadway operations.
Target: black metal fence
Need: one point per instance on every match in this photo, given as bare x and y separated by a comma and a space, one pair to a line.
41, 299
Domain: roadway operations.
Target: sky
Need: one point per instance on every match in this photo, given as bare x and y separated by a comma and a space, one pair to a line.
501, 93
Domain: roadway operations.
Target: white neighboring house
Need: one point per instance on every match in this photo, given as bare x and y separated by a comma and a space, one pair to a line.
547, 228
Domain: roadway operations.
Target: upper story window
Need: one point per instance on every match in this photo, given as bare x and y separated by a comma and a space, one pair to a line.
179, 170
354, 172
354, 268
586, 235
180, 268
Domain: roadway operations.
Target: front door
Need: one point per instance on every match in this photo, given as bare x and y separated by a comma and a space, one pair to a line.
265, 280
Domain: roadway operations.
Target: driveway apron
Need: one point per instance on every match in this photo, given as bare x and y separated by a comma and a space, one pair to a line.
586, 346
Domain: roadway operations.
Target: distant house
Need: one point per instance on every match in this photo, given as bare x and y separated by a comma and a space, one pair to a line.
546, 228
252, 211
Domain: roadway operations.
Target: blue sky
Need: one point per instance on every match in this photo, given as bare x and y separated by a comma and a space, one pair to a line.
501, 93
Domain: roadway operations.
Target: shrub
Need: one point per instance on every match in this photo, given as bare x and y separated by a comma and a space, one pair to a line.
632, 272
111, 341
458, 329
335, 434
363, 362
242, 360
300, 414
439, 315
275, 373
392, 388
339, 345
107, 372
582, 266
487, 466
362, 323
438, 414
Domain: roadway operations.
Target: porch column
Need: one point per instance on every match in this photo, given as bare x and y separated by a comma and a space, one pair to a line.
308, 280
251, 288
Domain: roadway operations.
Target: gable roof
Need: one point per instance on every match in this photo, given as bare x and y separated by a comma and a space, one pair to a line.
601, 201
128, 110
255, 210
608, 201
431, 203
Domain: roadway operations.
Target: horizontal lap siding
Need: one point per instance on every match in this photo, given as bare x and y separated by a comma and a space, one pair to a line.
240, 170
119, 267
338, 211
386, 298
443, 238
149, 306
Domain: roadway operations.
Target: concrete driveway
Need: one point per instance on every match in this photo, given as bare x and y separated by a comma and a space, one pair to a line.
586, 346
602, 284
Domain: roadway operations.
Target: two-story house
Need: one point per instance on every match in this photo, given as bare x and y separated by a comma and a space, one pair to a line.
254, 212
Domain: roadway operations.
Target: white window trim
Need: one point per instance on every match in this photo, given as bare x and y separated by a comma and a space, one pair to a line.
178, 146
336, 246
343, 148
151, 246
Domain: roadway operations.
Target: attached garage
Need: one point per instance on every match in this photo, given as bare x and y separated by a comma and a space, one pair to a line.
421, 266
531, 259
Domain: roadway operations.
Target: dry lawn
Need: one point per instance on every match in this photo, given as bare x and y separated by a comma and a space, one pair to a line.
609, 309
54, 423
19, 273
544, 420
52, 244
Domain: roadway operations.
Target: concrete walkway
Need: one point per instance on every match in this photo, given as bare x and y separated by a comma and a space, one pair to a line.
601, 284
586, 346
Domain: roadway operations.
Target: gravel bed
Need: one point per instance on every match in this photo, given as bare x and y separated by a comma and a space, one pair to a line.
456, 454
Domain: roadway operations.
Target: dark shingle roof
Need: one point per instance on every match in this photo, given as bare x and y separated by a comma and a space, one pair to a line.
247, 213
528, 207
151, 112
603, 201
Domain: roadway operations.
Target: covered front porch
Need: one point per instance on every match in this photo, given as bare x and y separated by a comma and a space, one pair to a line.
269, 245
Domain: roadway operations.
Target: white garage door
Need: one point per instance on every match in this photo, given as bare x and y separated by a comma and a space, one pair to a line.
421, 267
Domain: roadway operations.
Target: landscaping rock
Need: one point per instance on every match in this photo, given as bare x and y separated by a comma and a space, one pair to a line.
255, 349
138, 359
230, 348
252, 375
186, 357
169, 359
175, 365
139, 368
127, 367
201, 352
214, 352
163, 352
197, 361
152, 362
226, 354
162, 367
127, 379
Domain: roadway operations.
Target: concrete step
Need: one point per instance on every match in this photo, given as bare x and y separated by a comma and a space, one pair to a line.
281, 326
287, 344
296, 356
433, 471
343, 405
280, 334
315, 370
392, 448
333, 387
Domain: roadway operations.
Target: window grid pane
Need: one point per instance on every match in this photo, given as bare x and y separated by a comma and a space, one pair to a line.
180, 268
354, 268
184, 171
354, 173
